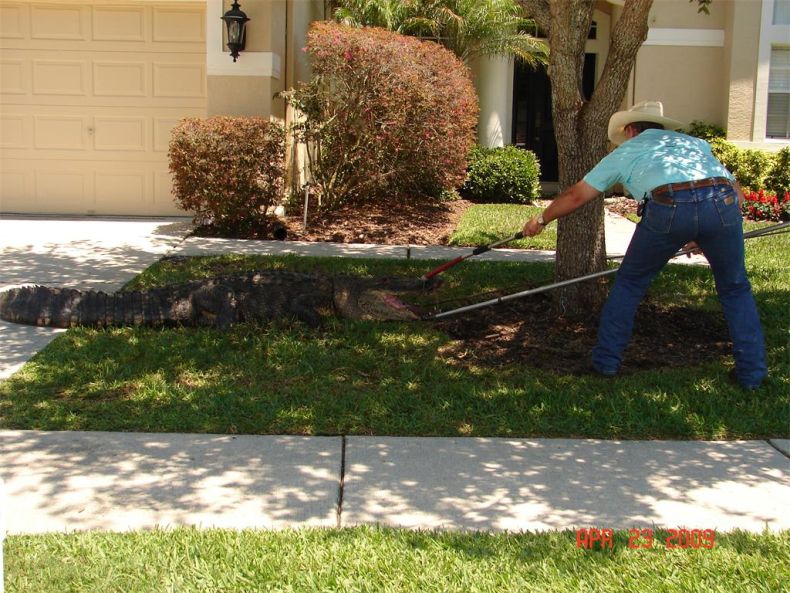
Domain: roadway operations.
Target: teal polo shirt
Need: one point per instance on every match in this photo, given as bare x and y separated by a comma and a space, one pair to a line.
654, 158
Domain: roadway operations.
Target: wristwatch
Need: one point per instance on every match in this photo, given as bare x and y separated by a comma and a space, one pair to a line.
541, 222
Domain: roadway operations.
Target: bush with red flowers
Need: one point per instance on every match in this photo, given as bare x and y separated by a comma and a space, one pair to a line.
763, 205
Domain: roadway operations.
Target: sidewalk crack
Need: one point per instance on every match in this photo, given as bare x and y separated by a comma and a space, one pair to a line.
342, 484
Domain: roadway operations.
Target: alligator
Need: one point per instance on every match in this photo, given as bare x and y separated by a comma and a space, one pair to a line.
217, 302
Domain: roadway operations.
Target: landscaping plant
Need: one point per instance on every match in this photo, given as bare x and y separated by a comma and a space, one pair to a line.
502, 175
469, 28
705, 131
386, 117
228, 170
764, 205
751, 167
778, 180
754, 169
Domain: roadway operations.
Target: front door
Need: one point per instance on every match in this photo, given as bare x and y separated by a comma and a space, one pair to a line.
533, 126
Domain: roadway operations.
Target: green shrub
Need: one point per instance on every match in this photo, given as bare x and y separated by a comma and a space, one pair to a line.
755, 167
386, 116
750, 167
726, 152
227, 170
778, 180
706, 131
504, 175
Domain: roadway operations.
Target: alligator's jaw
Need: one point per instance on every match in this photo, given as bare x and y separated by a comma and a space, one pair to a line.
374, 299
399, 308
380, 305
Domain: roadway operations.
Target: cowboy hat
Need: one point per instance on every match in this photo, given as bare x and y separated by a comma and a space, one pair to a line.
652, 111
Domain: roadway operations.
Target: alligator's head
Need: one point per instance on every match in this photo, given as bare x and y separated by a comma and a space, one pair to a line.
375, 298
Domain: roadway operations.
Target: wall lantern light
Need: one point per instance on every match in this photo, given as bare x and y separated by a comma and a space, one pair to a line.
236, 23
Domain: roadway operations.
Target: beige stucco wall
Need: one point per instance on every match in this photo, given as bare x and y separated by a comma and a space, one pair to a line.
249, 96
683, 14
690, 84
253, 92
300, 14
675, 55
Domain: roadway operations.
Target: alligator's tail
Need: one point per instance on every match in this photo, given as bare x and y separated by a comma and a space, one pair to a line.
67, 307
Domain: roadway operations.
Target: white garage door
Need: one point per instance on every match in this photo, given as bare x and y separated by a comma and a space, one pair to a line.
89, 92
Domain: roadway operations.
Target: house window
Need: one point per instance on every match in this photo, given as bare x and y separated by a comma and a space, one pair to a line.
781, 12
778, 120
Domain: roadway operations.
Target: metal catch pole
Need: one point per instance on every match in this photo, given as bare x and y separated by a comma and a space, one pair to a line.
767, 231
521, 294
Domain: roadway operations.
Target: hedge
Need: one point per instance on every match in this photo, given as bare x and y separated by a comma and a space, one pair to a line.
387, 117
509, 175
228, 170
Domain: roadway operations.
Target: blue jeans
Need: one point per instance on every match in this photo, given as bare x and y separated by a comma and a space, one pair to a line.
711, 217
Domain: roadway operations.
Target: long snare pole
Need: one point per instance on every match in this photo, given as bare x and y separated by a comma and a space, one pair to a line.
767, 231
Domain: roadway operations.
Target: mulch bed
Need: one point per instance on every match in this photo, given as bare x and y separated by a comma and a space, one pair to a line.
419, 223
525, 331
389, 224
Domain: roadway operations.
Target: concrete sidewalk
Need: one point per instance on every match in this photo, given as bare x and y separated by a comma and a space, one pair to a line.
67, 481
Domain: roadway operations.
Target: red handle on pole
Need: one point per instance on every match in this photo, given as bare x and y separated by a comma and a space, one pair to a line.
477, 251
444, 266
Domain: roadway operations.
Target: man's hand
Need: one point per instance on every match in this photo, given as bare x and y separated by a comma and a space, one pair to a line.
532, 227
692, 248
568, 201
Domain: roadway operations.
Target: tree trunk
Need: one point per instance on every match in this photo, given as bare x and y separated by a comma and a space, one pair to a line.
580, 129
580, 241
581, 245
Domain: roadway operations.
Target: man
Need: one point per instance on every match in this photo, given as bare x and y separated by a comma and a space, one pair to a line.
689, 199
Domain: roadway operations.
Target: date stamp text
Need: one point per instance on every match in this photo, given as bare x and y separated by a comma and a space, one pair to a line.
646, 539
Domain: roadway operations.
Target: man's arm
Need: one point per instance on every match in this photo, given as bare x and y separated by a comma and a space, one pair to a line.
568, 201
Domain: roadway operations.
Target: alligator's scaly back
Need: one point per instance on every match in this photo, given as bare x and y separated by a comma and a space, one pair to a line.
215, 302
68, 307
40, 305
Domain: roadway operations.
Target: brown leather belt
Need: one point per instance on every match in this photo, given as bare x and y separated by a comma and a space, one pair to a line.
663, 193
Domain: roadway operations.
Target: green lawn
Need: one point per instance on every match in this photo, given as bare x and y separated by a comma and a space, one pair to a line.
485, 223
385, 560
387, 378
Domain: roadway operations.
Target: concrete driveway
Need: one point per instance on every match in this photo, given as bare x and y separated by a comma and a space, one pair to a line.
85, 253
